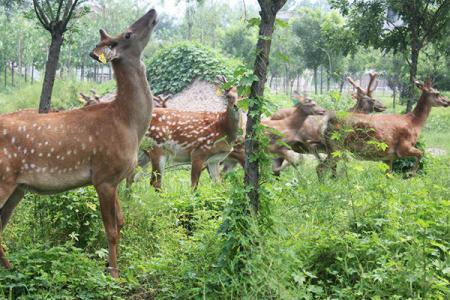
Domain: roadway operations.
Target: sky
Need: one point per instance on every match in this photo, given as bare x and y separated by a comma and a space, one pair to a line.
176, 8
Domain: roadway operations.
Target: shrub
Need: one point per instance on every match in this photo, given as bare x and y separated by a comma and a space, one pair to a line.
175, 67
62, 272
71, 216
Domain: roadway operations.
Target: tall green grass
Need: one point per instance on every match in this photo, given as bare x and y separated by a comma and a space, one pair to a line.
364, 235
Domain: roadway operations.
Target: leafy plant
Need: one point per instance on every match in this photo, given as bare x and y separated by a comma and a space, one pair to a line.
174, 67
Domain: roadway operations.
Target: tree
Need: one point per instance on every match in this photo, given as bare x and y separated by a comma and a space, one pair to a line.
54, 16
307, 27
268, 13
398, 25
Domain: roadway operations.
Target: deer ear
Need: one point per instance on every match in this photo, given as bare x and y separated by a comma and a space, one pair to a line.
419, 84
104, 35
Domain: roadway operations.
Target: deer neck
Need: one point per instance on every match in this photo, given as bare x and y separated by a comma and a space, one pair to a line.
421, 111
231, 122
134, 98
296, 120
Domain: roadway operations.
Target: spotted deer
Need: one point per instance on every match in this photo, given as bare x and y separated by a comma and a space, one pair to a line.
363, 134
202, 138
158, 101
94, 145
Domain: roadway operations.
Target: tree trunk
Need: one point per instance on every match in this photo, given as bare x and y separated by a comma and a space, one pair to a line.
321, 80
32, 72
268, 13
394, 96
412, 77
315, 81
415, 50
328, 81
82, 72
25, 73
6, 73
12, 74
50, 72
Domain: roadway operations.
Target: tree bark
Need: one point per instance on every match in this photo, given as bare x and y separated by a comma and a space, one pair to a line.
321, 80
315, 81
50, 72
412, 76
268, 13
32, 72
12, 74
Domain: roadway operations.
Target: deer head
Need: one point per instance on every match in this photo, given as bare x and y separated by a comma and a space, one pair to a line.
129, 44
308, 107
365, 103
432, 95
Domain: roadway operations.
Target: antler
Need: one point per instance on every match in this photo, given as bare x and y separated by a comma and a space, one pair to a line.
372, 80
360, 90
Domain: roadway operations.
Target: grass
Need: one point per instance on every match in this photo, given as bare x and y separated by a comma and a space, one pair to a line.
364, 235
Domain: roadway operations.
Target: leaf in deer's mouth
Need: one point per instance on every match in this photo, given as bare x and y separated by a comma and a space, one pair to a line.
102, 58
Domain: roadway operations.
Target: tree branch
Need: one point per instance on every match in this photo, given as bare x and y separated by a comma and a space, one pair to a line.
40, 15
69, 15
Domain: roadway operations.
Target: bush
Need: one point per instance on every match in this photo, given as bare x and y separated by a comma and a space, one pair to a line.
62, 272
71, 216
175, 67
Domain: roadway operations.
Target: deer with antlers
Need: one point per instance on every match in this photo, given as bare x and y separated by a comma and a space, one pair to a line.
382, 137
312, 130
51, 153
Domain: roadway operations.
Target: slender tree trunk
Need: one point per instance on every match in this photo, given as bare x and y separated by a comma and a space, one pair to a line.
394, 96
25, 73
12, 74
298, 82
6, 73
50, 72
321, 80
328, 81
268, 13
32, 72
412, 76
315, 81
82, 72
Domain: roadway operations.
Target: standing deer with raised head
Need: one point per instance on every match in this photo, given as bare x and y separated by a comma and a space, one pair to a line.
202, 138
51, 153
399, 133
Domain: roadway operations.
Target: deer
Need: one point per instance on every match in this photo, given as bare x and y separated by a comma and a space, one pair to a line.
312, 131
365, 103
94, 145
396, 133
158, 101
283, 134
202, 138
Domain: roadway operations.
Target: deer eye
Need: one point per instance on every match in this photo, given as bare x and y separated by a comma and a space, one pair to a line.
128, 35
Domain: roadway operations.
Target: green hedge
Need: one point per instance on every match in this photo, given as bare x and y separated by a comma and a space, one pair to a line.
174, 67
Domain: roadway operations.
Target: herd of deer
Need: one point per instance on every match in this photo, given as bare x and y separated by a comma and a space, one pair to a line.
98, 144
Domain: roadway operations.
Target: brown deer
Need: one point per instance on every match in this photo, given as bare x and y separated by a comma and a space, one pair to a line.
283, 133
52, 153
382, 137
365, 102
201, 138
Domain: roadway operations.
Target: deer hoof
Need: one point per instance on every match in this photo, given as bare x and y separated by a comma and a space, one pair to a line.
114, 272
6, 264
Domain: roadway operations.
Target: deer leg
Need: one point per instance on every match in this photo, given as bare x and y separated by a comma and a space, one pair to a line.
107, 195
214, 171
197, 163
410, 151
6, 194
277, 163
120, 218
158, 161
